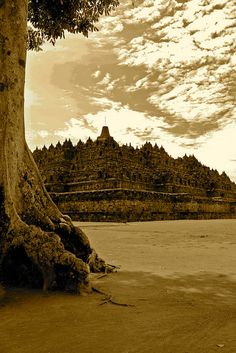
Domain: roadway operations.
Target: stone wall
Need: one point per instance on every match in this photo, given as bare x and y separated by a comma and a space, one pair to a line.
103, 181
100, 165
122, 205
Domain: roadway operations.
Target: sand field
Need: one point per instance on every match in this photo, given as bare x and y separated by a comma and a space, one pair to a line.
176, 281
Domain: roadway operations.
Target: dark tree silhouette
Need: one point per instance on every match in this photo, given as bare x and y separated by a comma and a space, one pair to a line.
38, 245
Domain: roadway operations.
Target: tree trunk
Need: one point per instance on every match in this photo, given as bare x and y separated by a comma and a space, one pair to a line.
38, 245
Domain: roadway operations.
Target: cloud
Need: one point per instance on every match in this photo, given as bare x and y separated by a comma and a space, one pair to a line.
96, 74
146, 134
171, 62
191, 48
133, 127
185, 57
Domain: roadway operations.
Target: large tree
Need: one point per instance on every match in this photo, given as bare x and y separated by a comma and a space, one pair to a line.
38, 245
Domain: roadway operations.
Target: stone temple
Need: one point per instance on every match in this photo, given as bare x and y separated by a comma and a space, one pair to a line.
103, 181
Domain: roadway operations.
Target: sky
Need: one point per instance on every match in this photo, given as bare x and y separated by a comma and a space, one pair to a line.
161, 71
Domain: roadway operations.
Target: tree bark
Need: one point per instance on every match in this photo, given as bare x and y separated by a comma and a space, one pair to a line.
38, 245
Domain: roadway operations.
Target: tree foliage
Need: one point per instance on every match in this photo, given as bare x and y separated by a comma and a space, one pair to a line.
50, 19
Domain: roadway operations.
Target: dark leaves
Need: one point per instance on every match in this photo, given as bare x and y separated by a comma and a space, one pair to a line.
51, 18
35, 39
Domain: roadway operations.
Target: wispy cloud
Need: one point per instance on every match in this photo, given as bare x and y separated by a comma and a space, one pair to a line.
191, 45
170, 59
170, 63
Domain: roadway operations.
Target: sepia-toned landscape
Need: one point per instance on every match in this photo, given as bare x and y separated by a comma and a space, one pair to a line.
117, 176
177, 279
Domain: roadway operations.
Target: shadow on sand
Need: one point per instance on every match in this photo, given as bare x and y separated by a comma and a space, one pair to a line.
177, 314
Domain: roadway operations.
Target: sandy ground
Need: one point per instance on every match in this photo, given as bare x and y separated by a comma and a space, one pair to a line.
177, 276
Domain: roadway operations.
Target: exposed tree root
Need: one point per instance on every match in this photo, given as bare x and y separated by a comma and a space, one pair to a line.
62, 260
40, 247
108, 298
114, 267
102, 276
